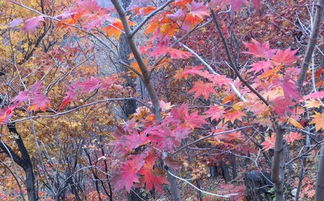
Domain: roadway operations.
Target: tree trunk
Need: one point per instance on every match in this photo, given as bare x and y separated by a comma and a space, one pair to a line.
175, 194
278, 165
30, 183
23, 161
320, 177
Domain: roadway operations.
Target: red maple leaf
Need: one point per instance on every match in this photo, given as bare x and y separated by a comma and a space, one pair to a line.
260, 49
195, 120
203, 89
6, 113
128, 174
152, 179
182, 116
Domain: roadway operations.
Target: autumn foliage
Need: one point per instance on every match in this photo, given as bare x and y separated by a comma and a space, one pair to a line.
100, 99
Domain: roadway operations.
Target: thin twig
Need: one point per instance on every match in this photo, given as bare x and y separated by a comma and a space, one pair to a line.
210, 135
202, 191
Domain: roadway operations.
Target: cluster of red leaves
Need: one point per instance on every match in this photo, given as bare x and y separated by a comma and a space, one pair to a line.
164, 136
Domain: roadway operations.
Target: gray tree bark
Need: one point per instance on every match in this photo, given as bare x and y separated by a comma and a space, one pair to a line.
320, 177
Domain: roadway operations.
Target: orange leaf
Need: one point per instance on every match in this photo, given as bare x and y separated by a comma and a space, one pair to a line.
318, 120
295, 123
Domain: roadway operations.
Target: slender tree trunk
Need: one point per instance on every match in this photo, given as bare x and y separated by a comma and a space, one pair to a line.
320, 177
278, 162
312, 42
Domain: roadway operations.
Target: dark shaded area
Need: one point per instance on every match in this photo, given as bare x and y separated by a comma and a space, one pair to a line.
258, 185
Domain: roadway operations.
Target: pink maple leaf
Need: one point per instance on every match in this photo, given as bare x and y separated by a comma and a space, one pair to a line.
219, 80
179, 14
38, 100
178, 54
315, 95
174, 53
126, 142
237, 4
269, 142
32, 23
203, 89
198, 9
286, 57
257, 4
215, 112
21, 97
89, 85
260, 65
281, 105
290, 89
260, 49
292, 136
